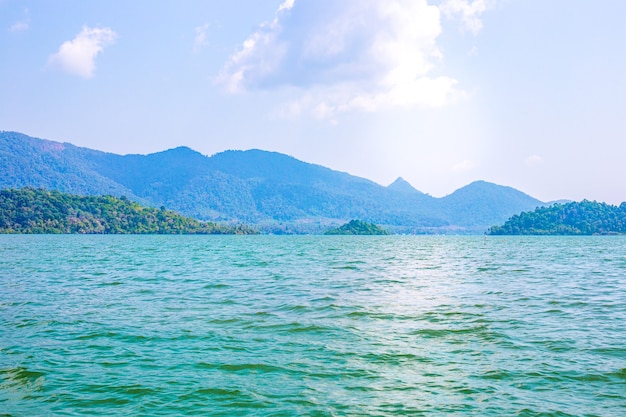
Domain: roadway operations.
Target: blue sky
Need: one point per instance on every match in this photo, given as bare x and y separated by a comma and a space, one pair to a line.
525, 93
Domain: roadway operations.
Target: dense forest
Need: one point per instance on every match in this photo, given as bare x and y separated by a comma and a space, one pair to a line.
576, 218
358, 227
31, 210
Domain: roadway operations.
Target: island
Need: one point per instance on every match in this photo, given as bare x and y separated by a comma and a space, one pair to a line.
40, 211
575, 218
357, 227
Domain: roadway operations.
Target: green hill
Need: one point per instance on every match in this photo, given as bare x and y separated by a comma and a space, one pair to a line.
357, 227
31, 210
576, 218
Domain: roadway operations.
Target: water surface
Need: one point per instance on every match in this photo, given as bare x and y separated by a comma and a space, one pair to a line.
312, 325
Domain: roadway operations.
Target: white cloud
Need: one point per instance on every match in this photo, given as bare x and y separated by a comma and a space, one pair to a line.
78, 56
339, 56
465, 165
533, 160
22, 25
467, 11
201, 40
286, 5
19, 26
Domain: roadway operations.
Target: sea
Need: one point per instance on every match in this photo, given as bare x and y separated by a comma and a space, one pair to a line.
110, 325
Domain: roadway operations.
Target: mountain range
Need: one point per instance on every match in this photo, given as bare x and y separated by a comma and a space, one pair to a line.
275, 192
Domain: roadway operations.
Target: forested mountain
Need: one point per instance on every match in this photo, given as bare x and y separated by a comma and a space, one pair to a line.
274, 191
26, 161
30, 210
576, 218
479, 202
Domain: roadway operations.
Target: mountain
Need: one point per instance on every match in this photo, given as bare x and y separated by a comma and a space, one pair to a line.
400, 184
273, 191
481, 202
26, 161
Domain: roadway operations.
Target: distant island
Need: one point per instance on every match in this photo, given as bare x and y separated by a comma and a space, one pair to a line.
357, 227
576, 218
30, 211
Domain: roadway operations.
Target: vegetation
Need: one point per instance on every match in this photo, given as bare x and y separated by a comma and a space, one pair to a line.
30, 210
357, 227
577, 218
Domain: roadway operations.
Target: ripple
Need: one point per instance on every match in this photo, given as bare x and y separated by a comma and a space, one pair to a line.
306, 325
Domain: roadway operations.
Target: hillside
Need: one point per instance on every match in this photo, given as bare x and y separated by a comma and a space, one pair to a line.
277, 192
576, 218
30, 210
31, 162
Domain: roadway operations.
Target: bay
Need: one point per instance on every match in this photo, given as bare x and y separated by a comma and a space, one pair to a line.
312, 325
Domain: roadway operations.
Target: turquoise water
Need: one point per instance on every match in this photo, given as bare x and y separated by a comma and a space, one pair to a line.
312, 326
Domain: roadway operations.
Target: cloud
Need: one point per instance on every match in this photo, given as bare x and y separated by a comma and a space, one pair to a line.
467, 11
286, 5
465, 165
78, 56
340, 56
22, 25
533, 160
19, 26
201, 40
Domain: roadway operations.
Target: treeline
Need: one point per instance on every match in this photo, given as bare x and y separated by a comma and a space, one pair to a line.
577, 218
30, 210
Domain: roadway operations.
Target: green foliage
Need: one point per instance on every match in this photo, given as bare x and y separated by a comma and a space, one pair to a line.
358, 227
577, 218
30, 210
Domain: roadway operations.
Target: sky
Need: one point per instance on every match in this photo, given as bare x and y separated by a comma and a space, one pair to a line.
525, 93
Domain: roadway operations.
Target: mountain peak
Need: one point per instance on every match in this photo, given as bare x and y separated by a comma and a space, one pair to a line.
400, 184
178, 155
481, 186
181, 150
